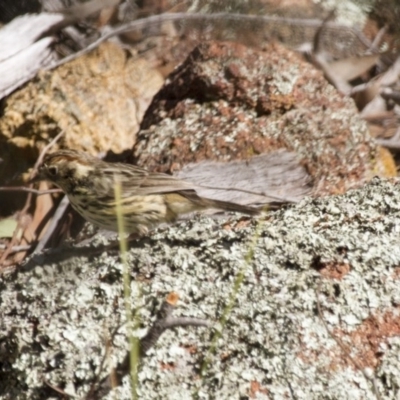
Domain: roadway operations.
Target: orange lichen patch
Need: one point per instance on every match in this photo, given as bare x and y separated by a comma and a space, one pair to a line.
191, 349
335, 270
374, 331
396, 273
172, 298
311, 356
243, 223
255, 387
167, 366
331, 270
360, 348
227, 227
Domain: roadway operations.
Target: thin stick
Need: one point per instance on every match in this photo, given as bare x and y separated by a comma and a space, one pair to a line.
28, 189
58, 390
164, 321
158, 19
54, 222
227, 311
62, 206
45, 150
15, 249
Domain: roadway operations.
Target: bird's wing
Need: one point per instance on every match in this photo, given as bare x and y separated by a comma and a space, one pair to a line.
139, 182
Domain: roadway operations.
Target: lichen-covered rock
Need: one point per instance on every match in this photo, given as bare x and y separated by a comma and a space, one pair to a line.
228, 101
340, 254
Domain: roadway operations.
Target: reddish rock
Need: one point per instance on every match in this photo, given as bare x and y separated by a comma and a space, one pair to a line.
228, 101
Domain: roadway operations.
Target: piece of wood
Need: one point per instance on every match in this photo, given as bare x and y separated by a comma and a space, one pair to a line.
24, 31
19, 69
25, 42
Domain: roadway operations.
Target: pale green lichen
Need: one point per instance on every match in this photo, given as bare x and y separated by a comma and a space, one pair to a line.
57, 317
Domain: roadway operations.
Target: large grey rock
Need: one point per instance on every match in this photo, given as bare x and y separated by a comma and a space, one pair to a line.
58, 312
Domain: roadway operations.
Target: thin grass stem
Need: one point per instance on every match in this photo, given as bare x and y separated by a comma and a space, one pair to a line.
132, 321
230, 303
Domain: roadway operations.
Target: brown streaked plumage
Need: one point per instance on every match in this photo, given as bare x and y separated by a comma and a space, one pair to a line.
148, 198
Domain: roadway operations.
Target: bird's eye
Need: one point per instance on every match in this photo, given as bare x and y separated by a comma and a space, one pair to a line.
52, 170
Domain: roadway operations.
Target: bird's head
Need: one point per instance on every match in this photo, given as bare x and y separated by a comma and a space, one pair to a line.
65, 168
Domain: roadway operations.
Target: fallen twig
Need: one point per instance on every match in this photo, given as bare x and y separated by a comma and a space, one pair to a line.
53, 224
157, 19
28, 189
164, 321
45, 150
103, 362
58, 390
15, 249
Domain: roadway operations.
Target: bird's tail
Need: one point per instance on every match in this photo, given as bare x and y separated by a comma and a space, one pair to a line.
228, 206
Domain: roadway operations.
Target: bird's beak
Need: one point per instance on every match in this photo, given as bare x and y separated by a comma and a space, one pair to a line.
37, 178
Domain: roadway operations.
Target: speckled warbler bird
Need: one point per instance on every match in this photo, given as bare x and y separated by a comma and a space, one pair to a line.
147, 198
